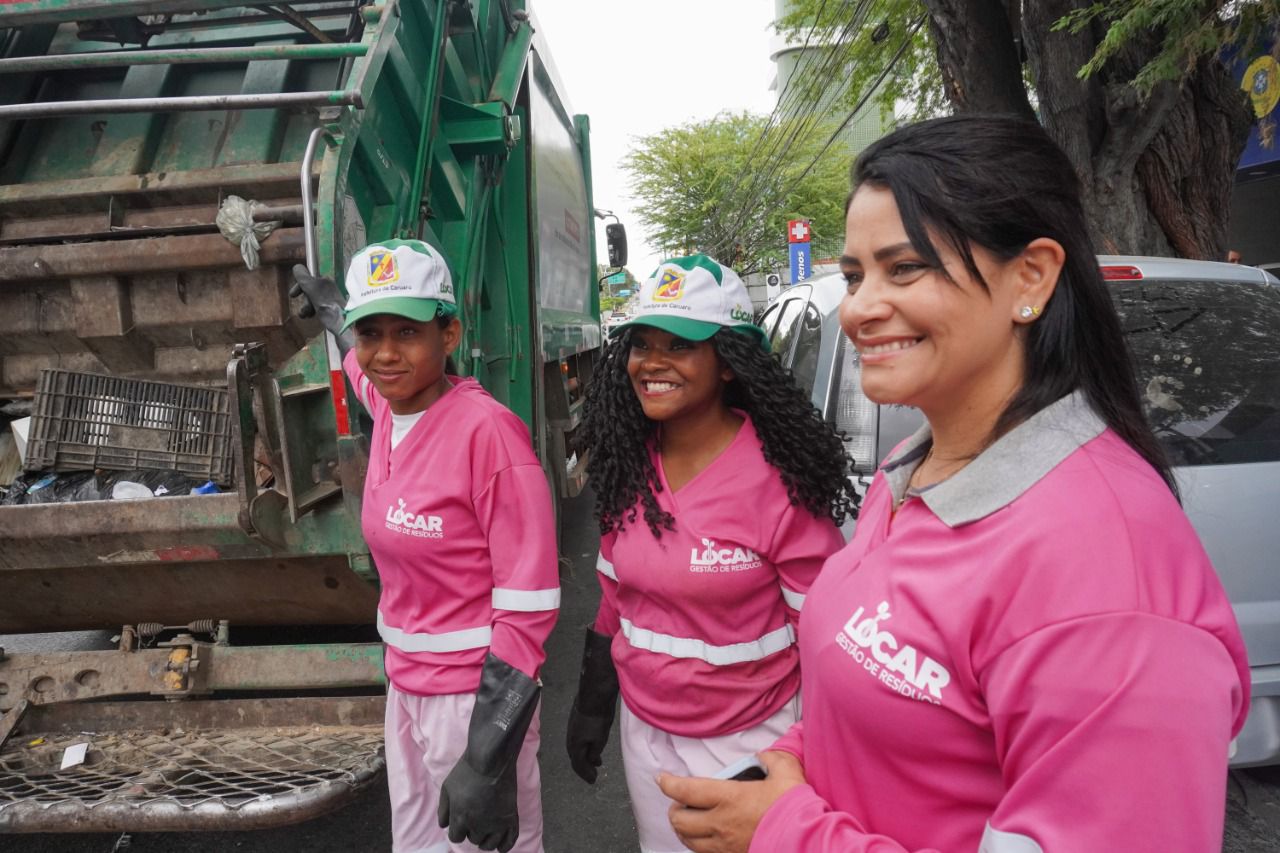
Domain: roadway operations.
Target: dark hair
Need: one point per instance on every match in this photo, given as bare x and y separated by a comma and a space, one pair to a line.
1000, 182
806, 450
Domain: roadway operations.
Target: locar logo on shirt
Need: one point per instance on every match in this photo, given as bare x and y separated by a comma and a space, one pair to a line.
713, 559
423, 526
896, 665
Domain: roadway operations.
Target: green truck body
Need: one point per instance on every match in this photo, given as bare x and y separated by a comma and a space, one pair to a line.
245, 686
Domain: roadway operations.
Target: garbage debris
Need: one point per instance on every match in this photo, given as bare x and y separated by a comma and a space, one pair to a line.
10, 460
127, 490
42, 487
235, 221
21, 430
16, 408
73, 755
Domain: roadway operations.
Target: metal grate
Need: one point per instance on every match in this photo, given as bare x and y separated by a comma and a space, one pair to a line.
216, 771
87, 421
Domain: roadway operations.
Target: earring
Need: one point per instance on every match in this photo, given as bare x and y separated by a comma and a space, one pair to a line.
1029, 311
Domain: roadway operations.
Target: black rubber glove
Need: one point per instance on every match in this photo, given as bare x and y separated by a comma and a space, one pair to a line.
591, 716
323, 300
478, 798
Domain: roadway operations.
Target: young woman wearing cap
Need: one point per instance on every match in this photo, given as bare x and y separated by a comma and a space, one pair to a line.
718, 490
457, 516
1025, 646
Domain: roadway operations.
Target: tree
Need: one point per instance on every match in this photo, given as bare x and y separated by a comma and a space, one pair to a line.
1133, 90
698, 191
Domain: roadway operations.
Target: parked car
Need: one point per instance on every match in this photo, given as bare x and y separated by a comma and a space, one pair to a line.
1206, 343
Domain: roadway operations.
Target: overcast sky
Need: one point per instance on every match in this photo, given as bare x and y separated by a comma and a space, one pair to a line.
636, 68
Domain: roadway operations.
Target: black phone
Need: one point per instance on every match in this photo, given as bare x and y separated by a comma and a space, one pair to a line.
746, 769
753, 773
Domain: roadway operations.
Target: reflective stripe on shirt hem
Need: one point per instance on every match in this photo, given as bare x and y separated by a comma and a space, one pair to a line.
450, 641
526, 600
683, 647
605, 568
995, 841
793, 599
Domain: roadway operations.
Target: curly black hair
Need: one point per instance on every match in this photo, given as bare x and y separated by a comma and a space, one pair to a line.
807, 451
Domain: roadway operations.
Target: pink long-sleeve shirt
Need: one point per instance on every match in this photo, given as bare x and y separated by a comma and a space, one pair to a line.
1034, 655
704, 617
458, 519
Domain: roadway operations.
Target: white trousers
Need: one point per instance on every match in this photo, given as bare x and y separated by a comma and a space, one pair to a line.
426, 735
647, 751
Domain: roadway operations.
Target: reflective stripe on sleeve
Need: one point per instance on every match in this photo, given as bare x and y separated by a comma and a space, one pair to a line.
793, 599
683, 647
526, 600
995, 841
605, 568
449, 641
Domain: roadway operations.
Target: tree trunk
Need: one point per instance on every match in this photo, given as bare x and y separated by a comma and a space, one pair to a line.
1156, 172
981, 69
1189, 169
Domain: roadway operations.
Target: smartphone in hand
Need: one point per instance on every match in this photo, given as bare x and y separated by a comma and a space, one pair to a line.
746, 769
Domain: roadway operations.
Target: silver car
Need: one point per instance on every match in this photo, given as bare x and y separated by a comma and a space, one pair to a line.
1206, 342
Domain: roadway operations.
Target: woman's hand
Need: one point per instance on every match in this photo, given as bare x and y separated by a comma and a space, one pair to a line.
714, 816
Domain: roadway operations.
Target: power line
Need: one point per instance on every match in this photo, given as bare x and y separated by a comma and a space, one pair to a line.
806, 84
763, 191
866, 95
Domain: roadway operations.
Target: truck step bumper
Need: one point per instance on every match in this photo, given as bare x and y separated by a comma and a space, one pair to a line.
140, 776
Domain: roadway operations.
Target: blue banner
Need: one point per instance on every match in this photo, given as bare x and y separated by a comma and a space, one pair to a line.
801, 262
1259, 76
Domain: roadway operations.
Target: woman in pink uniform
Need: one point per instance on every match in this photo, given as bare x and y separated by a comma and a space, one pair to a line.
718, 492
1025, 647
458, 518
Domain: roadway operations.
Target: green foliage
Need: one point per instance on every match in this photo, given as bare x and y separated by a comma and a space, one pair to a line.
612, 303
701, 188
866, 42
1189, 31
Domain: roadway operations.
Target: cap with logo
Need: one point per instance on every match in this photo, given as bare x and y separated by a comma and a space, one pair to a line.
408, 278
693, 298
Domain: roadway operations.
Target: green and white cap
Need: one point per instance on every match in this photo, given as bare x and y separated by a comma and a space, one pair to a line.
407, 278
693, 298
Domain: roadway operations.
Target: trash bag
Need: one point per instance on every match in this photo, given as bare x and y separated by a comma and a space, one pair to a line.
42, 487
235, 221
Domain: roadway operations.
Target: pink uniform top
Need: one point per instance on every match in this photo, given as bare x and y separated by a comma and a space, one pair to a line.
1034, 655
458, 520
704, 618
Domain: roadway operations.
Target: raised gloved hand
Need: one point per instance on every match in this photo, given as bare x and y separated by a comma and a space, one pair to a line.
322, 299
478, 798
591, 715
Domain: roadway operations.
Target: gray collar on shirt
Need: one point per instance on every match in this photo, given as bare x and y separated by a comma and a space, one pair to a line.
1006, 469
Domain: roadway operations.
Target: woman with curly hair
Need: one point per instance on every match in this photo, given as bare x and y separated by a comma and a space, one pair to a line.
719, 489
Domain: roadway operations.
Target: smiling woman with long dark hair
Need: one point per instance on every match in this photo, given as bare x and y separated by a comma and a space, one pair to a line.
718, 492
1025, 647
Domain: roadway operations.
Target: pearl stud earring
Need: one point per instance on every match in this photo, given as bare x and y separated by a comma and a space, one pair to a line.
1028, 312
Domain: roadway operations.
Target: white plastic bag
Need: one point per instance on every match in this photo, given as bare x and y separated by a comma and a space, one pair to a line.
235, 221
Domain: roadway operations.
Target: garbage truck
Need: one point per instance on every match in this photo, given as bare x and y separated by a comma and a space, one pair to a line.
163, 166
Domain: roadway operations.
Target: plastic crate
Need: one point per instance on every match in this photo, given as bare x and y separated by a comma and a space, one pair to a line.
87, 421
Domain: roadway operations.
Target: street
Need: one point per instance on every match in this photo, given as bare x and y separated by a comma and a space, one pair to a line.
578, 818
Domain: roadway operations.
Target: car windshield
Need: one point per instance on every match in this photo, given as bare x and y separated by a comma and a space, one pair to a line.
1207, 356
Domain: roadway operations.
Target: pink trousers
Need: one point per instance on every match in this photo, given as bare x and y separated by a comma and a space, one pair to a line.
646, 751
426, 735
